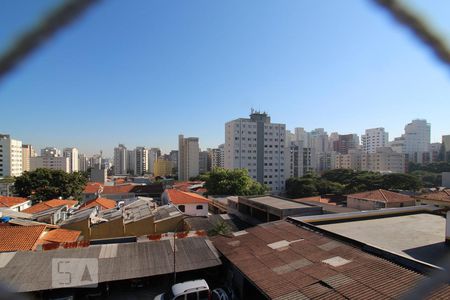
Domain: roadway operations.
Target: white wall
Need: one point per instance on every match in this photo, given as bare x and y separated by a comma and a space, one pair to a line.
191, 209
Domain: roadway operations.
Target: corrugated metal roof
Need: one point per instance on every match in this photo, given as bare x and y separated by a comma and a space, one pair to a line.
32, 270
313, 266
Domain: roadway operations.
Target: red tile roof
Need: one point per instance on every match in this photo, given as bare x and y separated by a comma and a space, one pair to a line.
61, 236
19, 238
11, 201
49, 204
180, 197
308, 265
382, 195
103, 203
186, 185
443, 195
92, 187
118, 189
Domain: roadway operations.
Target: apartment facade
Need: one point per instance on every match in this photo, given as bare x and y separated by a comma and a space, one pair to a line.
72, 155
10, 156
346, 142
27, 153
204, 162
217, 157
162, 167
373, 139
50, 162
384, 160
120, 160
350, 160
141, 161
258, 145
188, 157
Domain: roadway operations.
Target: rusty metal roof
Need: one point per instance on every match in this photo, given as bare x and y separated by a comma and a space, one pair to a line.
285, 261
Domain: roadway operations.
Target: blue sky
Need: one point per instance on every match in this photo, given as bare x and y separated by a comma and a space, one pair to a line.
141, 72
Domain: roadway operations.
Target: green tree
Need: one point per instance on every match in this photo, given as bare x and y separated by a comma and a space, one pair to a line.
220, 228
46, 184
301, 187
397, 181
342, 176
232, 182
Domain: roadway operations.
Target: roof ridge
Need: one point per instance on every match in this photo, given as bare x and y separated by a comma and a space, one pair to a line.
382, 194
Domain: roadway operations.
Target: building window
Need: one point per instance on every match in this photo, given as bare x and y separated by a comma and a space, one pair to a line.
181, 208
199, 207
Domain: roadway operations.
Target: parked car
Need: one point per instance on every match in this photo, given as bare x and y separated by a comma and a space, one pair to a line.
194, 289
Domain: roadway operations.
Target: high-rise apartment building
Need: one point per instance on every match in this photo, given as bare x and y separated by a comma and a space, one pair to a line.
153, 154
163, 166
415, 142
384, 160
83, 163
445, 148
373, 139
120, 160
258, 145
319, 140
72, 155
10, 156
50, 151
141, 161
350, 160
131, 162
217, 157
204, 162
346, 142
27, 153
51, 160
417, 136
188, 157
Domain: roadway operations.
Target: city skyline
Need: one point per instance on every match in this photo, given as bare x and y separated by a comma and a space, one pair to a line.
109, 153
100, 82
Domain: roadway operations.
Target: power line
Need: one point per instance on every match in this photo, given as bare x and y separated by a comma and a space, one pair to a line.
31, 40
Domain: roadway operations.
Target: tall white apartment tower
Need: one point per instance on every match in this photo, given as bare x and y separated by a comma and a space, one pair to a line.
10, 156
141, 161
373, 139
120, 160
72, 154
188, 157
417, 136
258, 145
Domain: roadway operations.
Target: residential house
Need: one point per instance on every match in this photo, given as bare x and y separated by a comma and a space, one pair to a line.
15, 203
190, 204
377, 199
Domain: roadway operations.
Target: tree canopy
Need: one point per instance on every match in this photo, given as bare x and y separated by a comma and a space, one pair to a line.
232, 182
343, 181
46, 184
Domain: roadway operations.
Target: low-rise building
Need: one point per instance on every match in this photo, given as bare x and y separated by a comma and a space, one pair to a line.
45, 205
437, 197
15, 203
378, 199
190, 204
259, 209
294, 260
139, 218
